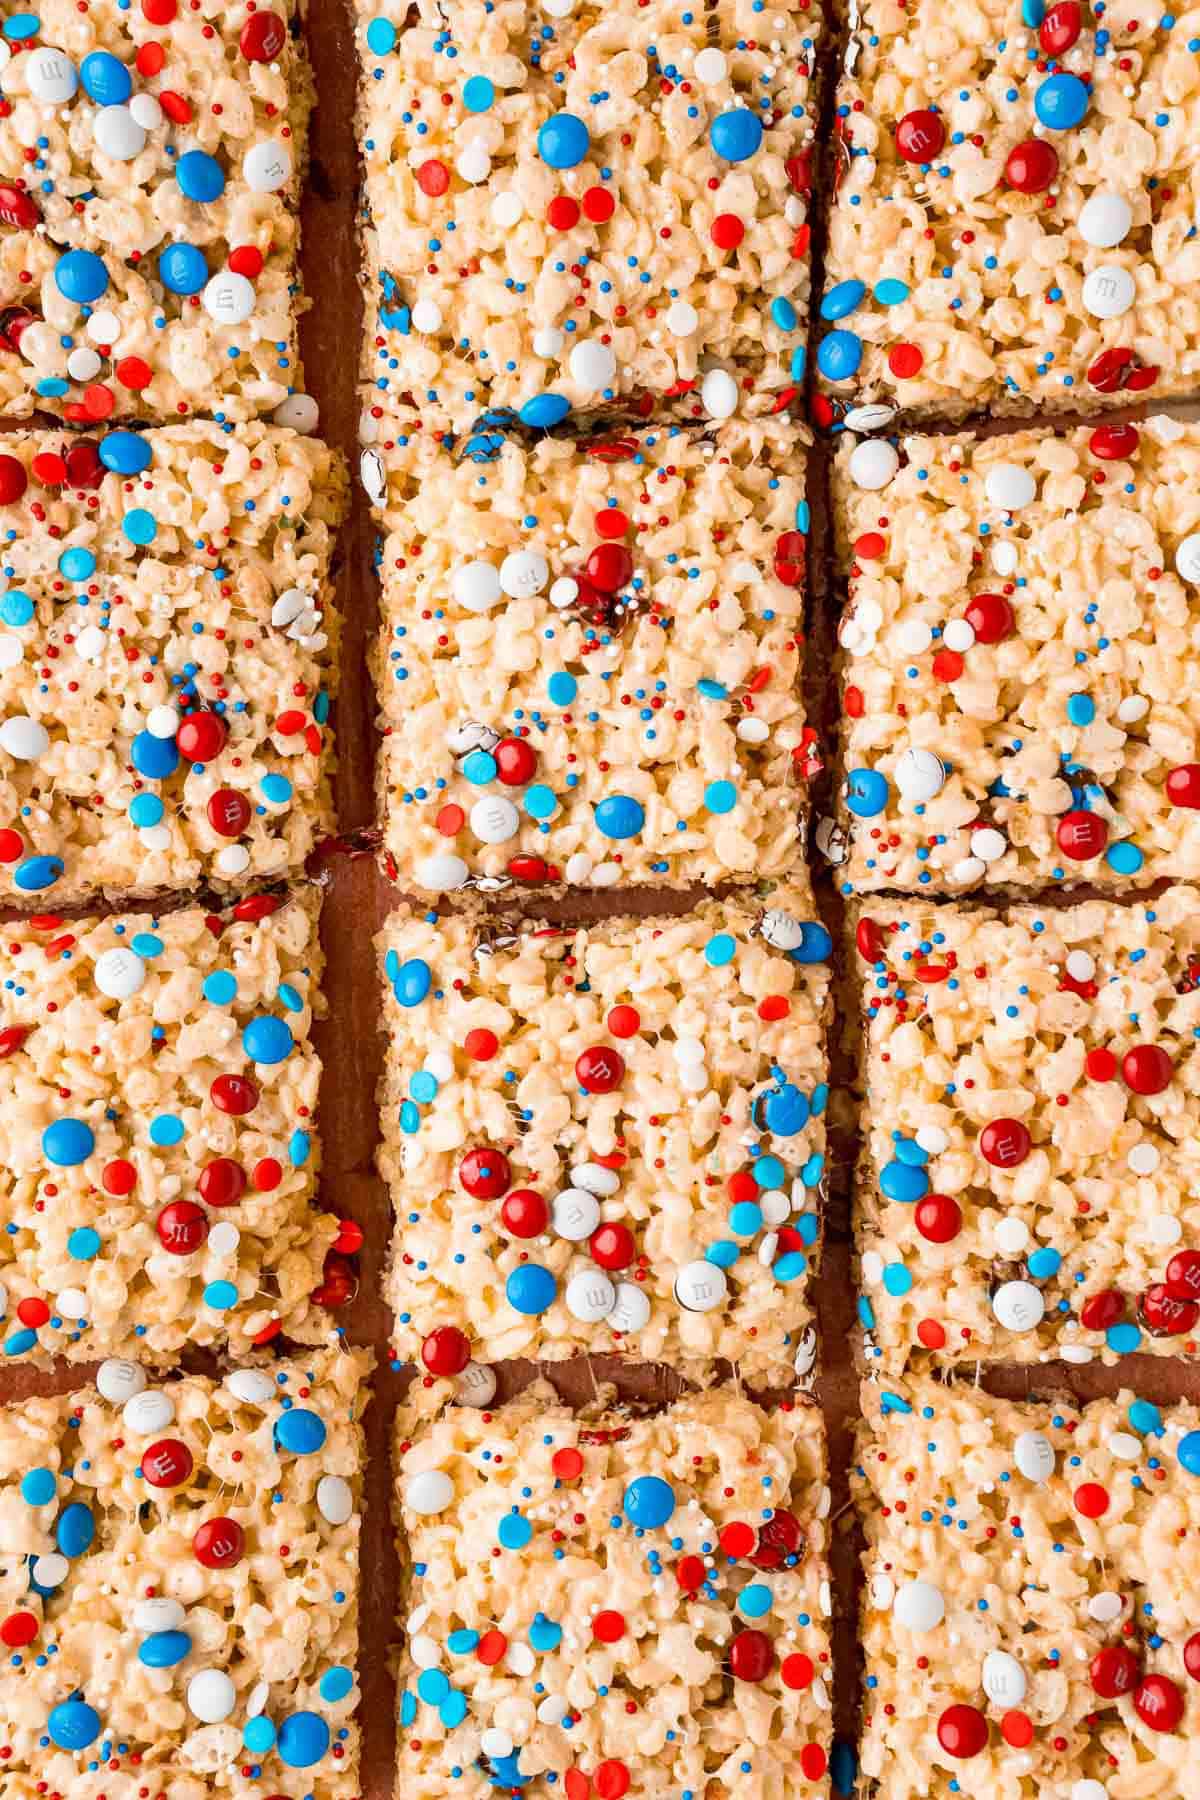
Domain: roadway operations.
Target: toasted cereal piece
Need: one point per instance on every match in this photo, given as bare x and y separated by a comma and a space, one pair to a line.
592, 210
1021, 703
590, 655
608, 1137
1027, 1187
158, 1091
150, 165
1013, 223
180, 1583
569, 1612
166, 654
1028, 1620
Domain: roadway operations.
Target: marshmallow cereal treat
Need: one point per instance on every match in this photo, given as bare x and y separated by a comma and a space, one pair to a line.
1013, 227
149, 183
614, 1604
166, 656
610, 1137
589, 664
1028, 1619
1028, 1185
180, 1584
587, 203
1020, 661
158, 1090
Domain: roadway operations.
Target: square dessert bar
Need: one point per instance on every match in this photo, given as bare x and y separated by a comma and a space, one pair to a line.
1013, 227
1028, 1182
589, 665
165, 658
616, 1604
180, 1584
1021, 701
594, 203
150, 162
158, 1091
607, 1138
1028, 1621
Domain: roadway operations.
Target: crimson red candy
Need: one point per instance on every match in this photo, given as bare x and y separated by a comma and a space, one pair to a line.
84, 468
791, 555
1147, 1069
201, 736
485, 1174
182, 1227
338, 1282
600, 1069
12, 845
255, 907
235, 1094
1060, 27
349, 1239
613, 1246
962, 1731
166, 1463
1113, 1671
13, 480
611, 1779
691, 1573
1182, 1279
609, 567
779, 1537
446, 1351
1163, 1315
18, 207
598, 205
751, 1656
1112, 443
608, 1626
525, 1213
515, 761
1032, 166
1183, 785
229, 812
938, 1218
563, 212
119, 1177
1004, 1143
1158, 1703
263, 37
990, 617
868, 936
1191, 1656
1108, 373
920, 135
219, 1543
1099, 1311
222, 1182
1081, 835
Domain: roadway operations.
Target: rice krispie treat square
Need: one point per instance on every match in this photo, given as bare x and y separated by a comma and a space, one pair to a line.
1021, 700
150, 160
180, 1584
590, 203
627, 1604
165, 658
1028, 1620
158, 1090
607, 1138
1029, 1185
589, 664
1013, 228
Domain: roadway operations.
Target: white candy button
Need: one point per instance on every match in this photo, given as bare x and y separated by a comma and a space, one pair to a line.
229, 298
1009, 487
429, 1493
710, 66
159, 1614
118, 134
1104, 220
933, 1139
267, 167
594, 1178
959, 635
72, 1303
590, 1296
1106, 1607
914, 636
1088, 1789
50, 1571
564, 591
299, 412
476, 1386
146, 111
51, 76
24, 738
682, 318
1019, 1306
150, 1411
211, 1696
781, 930
89, 645
251, 1386
548, 342
119, 973
163, 721
506, 210
1003, 1679
719, 394
1033, 1454
1124, 1446
1109, 291
919, 1606
476, 585
1187, 557
631, 1309
701, 1286
1081, 965
232, 859
494, 820
919, 775
989, 845
335, 1502
1012, 1236
524, 573
83, 364
873, 463
224, 1239
574, 1214
474, 165
442, 872
426, 316
118, 1380
592, 365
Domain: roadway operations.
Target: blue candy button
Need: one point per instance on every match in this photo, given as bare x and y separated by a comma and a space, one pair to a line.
105, 80
735, 135
411, 982
839, 355
80, 277
720, 950
720, 796
76, 563
67, 1142
221, 1296
75, 1529
530, 1289
786, 1110
891, 292
140, 526
562, 688
514, 1531
200, 176
649, 1502
381, 37
1061, 102
844, 297
74, 1725
84, 1244
866, 793
266, 1039
182, 268
620, 816
154, 757
1124, 858
163, 1649
815, 945
300, 1431
303, 1740
563, 141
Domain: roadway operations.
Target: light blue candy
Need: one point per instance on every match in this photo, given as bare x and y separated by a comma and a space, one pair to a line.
303, 1740
105, 79
563, 141
461, 1643
479, 768
16, 608
1123, 1339
287, 996
544, 410
74, 1529
220, 1295
649, 1502
620, 816
754, 1602
220, 988
432, 1685
896, 1280
412, 982
891, 292
182, 268
745, 1218
735, 135
163, 1649
1044, 1263
514, 1531
258, 1734
540, 802
1145, 1417
166, 1129
125, 452
381, 37
453, 1709
839, 355
479, 94
769, 1172
562, 688
909, 1151
80, 277
530, 1289
720, 950
720, 797
266, 1039
73, 1725
843, 298
300, 1431
866, 792
145, 944
39, 1487
154, 757
84, 1244
200, 176
140, 526
724, 1253
17, 1345
790, 1266
785, 1111
784, 313
1123, 857
67, 1142
336, 1683
76, 563
1081, 709
1060, 102
544, 1634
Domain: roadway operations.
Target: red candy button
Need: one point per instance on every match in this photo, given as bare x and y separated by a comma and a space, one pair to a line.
1004, 1143
609, 567
515, 761
235, 1094
247, 260
19, 1629
222, 1182
727, 231
990, 618
446, 1351
562, 212
1060, 27
962, 1731
481, 1044
600, 1069
611, 1779
1158, 1703
12, 845
182, 1227
1032, 166
598, 205
938, 1218
920, 135
119, 1177
263, 37
613, 1246
201, 736
1183, 785
485, 1174
1091, 1500
791, 556
1016, 1728
1147, 1069
13, 480
34, 1312
1191, 1656
797, 1670
905, 361
166, 1463
738, 1538
1081, 835
1108, 373
229, 812
690, 1574
433, 178
624, 1021
525, 1213
751, 1656
219, 1544
267, 1175
567, 1464
608, 1627
1113, 1671
1182, 1279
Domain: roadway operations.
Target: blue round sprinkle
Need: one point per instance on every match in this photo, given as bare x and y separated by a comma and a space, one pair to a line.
620, 816
300, 1431
530, 1289
303, 1740
563, 141
266, 1039
67, 1142
735, 135
649, 1502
